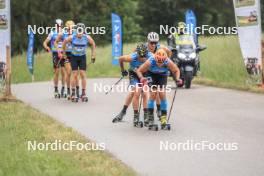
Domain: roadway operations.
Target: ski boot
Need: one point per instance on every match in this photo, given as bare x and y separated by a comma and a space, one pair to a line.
84, 98
63, 95
56, 94
119, 117
159, 113
164, 124
137, 122
151, 124
77, 93
146, 121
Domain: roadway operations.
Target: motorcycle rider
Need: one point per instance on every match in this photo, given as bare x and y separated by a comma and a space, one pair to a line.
181, 37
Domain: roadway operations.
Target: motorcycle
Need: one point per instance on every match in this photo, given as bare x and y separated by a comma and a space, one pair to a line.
188, 61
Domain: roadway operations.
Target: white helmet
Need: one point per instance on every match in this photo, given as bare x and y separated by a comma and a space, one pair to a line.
153, 37
59, 22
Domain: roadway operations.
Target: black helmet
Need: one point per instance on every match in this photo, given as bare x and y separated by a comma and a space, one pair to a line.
142, 50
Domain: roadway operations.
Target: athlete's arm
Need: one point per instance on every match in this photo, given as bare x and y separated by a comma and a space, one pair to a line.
92, 43
168, 51
67, 40
174, 69
122, 59
142, 69
45, 44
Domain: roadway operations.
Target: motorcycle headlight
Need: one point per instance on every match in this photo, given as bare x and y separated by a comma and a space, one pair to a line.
181, 56
192, 56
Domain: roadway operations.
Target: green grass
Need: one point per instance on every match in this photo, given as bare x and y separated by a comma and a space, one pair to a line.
20, 123
44, 71
221, 64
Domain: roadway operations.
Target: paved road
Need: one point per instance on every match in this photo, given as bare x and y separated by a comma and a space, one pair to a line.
201, 115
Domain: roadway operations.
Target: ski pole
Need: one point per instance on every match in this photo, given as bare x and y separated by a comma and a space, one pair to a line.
140, 103
175, 91
114, 85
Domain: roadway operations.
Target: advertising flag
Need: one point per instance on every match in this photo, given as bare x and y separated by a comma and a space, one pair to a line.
190, 20
30, 53
248, 21
5, 35
117, 48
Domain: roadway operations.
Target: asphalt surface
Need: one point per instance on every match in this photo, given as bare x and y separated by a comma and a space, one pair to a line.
231, 120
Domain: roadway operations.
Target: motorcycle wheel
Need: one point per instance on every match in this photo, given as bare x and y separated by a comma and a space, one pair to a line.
188, 79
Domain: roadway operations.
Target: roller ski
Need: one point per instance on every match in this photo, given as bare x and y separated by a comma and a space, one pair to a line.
63, 95
151, 125
137, 122
119, 117
74, 98
57, 95
84, 98
164, 124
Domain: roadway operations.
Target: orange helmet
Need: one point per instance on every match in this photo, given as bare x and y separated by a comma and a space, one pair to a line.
160, 55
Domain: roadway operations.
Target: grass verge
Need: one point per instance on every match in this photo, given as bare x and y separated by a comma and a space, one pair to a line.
20, 123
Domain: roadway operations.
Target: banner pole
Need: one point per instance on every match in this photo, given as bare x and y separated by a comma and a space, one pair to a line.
32, 78
262, 54
8, 72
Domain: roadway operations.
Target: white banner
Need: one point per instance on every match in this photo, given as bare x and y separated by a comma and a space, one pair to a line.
248, 20
5, 25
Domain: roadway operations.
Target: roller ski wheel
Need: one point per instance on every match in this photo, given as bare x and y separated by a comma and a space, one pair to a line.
84, 98
138, 124
146, 123
166, 127
68, 97
74, 99
57, 95
119, 117
153, 127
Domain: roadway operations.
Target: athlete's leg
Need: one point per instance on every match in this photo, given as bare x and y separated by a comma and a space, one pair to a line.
56, 73
63, 78
74, 67
128, 101
83, 80
137, 93
151, 102
82, 68
56, 79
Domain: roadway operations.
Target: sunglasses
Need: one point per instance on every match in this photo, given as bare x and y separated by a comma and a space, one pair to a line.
153, 43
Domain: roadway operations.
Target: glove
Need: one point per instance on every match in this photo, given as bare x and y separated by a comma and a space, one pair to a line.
124, 73
48, 50
179, 82
93, 60
144, 81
